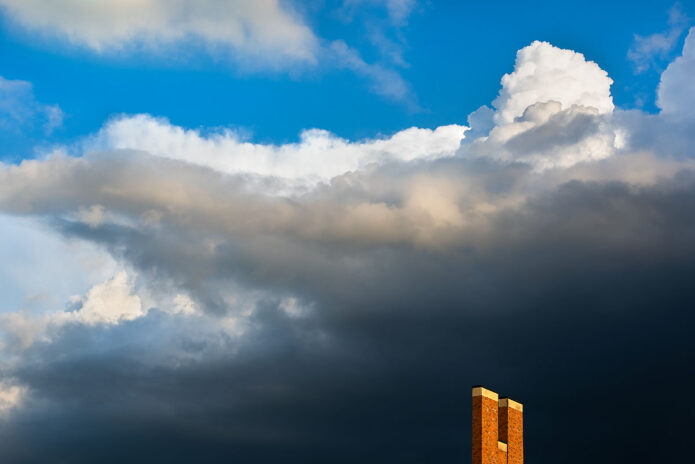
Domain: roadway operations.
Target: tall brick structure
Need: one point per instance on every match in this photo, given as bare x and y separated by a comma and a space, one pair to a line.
498, 429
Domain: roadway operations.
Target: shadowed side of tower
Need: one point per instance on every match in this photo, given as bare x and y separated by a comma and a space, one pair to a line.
497, 429
511, 429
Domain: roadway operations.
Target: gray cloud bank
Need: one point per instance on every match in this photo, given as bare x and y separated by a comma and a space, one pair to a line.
550, 257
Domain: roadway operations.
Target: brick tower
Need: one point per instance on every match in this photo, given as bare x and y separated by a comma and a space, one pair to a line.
498, 429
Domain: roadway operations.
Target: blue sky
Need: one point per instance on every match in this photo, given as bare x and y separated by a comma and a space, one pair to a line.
453, 55
298, 232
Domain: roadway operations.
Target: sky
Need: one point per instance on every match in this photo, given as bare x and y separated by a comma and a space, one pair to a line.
301, 231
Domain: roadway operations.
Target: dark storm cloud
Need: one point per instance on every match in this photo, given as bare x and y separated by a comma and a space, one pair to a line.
581, 310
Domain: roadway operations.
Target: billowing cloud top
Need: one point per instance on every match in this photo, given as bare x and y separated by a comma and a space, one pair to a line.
544, 73
553, 110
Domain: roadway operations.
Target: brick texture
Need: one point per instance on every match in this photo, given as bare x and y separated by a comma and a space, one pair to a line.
498, 436
512, 433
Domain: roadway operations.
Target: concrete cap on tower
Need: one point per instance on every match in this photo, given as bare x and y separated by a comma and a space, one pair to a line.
506, 402
482, 391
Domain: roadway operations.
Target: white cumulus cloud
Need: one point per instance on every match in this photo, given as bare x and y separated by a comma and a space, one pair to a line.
318, 156
108, 303
553, 110
543, 73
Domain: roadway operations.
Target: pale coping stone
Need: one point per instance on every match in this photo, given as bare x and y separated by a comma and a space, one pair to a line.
480, 391
506, 402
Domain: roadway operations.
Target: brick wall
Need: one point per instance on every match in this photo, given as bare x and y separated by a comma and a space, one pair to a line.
498, 429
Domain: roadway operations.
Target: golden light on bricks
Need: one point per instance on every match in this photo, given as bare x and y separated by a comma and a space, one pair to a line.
497, 429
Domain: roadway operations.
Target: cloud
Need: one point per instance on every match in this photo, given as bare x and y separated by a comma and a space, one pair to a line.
676, 92
386, 35
94, 215
42, 269
384, 80
20, 330
553, 110
108, 303
319, 155
646, 50
265, 31
543, 73
19, 109
398, 11
264, 34
555, 247
396, 335
11, 396
407, 189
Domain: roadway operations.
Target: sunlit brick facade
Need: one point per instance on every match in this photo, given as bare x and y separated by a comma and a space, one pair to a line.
498, 429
